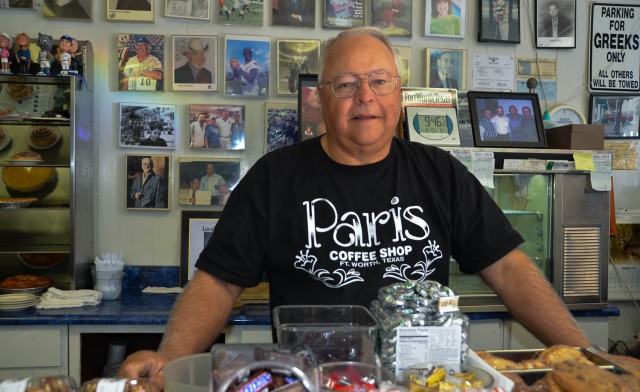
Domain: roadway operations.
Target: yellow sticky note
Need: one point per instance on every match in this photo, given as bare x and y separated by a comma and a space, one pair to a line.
584, 162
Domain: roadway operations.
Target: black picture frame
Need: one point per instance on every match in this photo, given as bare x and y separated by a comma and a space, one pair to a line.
310, 121
507, 11
189, 245
564, 36
618, 113
526, 137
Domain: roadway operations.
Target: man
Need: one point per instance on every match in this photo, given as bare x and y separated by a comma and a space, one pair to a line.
224, 124
237, 132
247, 72
342, 9
144, 70
154, 139
501, 123
295, 13
529, 128
554, 24
300, 207
441, 76
501, 15
487, 129
212, 134
211, 182
515, 123
193, 71
148, 190
224, 194
197, 130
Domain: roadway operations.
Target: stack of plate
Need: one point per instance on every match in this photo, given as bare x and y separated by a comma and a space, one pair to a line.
16, 302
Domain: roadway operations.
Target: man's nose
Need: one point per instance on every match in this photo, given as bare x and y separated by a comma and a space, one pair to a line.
365, 93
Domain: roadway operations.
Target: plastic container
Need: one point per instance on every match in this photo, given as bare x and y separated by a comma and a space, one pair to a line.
119, 385
188, 374
109, 283
470, 377
335, 333
360, 376
37, 384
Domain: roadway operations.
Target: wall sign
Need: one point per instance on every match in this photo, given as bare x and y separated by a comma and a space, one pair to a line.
614, 58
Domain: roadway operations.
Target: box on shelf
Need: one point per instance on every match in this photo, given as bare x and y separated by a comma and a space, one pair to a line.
576, 137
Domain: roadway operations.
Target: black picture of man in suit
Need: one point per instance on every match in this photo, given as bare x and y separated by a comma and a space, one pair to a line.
554, 23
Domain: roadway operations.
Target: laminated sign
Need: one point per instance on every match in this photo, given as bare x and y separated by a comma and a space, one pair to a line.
615, 40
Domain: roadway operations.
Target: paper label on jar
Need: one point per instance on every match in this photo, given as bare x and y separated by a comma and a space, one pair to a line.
14, 385
111, 385
430, 345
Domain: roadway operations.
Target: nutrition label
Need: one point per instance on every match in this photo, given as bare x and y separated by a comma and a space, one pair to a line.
428, 345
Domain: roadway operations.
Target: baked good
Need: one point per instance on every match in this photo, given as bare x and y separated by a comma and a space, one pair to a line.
497, 362
560, 353
26, 156
27, 178
43, 137
3, 135
20, 91
25, 281
574, 376
533, 364
41, 260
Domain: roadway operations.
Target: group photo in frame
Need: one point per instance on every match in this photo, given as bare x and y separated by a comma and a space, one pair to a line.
508, 120
499, 21
617, 112
207, 181
147, 125
310, 120
195, 63
344, 14
141, 62
247, 62
445, 18
392, 16
217, 126
446, 68
295, 57
65, 9
148, 179
281, 125
130, 10
240, 12
556, 24
196, 228
294, 13
190, 9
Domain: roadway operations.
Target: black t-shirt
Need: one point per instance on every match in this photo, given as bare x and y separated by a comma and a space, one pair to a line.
327, 233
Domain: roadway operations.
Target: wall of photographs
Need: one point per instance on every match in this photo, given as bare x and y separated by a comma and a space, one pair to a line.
167, 116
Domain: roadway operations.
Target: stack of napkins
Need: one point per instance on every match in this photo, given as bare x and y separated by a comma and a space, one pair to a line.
162, 290
58, 299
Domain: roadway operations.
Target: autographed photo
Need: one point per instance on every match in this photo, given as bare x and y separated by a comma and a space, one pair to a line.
207, 182
130, 10
148, 182
294, 13
240, 12
499, 21
247, 61
141, 62
295, 57
17, 4
189, 9
392, 16
446, 68
344, 14
67, 9
147, 125
556, 23
445, 18
217, 126
195, 60
281, 125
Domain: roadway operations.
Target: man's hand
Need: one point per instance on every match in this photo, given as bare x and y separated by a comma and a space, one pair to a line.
145, 364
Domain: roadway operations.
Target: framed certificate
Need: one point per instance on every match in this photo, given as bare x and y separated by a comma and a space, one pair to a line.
430, 116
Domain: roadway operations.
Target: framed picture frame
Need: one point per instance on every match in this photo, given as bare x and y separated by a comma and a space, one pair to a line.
429, 116
403, 53
281, 125
141, 62
240, 12
195, 63
310, 120
392, 16
130, 10
207, 181
147, 126
343, 14
75, 9
499, 21
247, 66
147, 182
196, 228
295, 57
219, 127
198, 10
294, 13
556, 24
446, 68
618, 113
18, 4
491, 126
445, 18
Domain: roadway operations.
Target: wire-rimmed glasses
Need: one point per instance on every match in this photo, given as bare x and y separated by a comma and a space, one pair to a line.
346, 86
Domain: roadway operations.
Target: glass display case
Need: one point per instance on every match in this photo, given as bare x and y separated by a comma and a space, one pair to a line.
565, 226
46, 200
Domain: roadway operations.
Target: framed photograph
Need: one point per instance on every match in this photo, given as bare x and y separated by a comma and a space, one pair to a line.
294, 13
392, 16
343, 14
148, 179
148, 126
141, 62
240, 12
618, 113
130, 10
556, 24
445, 18
429, 116
247, 62
217, 126
17, 4
295, 57
189, 9
207, 181
507, 120
196, 228
499, 21
281, 125
67, 9
195, 63
310, 121
446, 68
404, 61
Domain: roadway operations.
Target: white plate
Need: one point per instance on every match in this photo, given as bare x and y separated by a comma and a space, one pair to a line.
37, 147
6, 299
6, 140
16, 309
22, 162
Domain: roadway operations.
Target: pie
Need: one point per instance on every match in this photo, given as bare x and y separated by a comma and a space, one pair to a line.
27, 178
25, 281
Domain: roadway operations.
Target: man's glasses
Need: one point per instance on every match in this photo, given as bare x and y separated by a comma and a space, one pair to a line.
346, 86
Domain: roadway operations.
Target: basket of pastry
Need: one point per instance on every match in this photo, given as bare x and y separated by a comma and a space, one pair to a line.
562, 368
25, 284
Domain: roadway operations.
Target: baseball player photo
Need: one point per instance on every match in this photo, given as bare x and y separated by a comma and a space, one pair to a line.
240, 12
141, 62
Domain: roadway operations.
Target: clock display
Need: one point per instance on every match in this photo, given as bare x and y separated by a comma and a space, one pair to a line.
432, 124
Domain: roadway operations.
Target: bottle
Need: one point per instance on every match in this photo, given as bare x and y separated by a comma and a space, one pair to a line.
40, 384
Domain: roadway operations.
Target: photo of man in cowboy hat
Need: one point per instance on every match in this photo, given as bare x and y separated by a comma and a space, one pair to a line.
194, 70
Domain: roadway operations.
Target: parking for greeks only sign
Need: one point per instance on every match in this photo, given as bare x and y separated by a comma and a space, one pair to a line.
614, 55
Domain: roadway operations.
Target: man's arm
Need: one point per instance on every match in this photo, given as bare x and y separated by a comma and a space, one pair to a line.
532, 301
